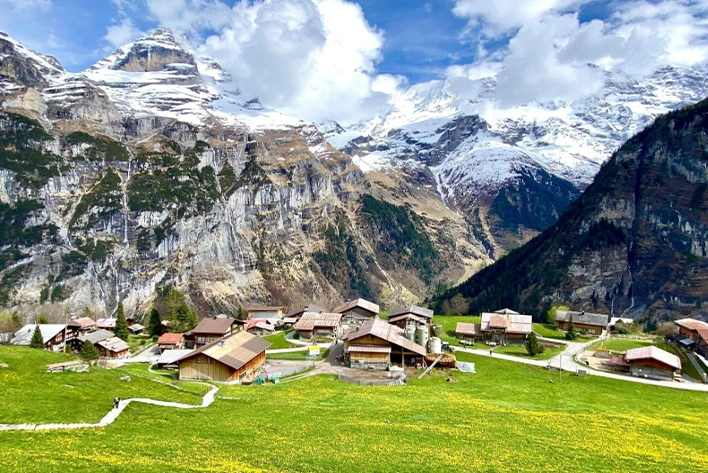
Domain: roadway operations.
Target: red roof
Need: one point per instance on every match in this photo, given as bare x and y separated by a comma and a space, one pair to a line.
654, 353
618, 361
170, 339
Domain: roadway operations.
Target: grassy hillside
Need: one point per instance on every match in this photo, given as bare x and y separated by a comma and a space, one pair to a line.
506, 418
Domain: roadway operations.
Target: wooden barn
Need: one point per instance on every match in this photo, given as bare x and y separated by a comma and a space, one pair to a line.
653, 362
319, 324
209, 330
376, 344
358, 310
403, 316
238, 358
592, 324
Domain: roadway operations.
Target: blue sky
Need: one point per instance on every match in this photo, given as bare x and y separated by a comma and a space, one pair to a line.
329, 57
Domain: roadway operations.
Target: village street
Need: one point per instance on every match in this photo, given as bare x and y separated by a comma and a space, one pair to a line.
566, 362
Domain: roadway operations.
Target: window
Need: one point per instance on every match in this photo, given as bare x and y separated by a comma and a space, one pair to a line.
199, 358
208, 360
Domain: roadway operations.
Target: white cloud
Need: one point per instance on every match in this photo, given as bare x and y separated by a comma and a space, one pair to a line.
122, 33
314, 59
510, 14
552, 56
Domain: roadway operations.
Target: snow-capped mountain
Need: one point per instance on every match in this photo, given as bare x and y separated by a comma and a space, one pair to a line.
474, 148
150, 170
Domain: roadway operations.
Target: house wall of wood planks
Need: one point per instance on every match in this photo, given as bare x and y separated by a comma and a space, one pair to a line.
198, 368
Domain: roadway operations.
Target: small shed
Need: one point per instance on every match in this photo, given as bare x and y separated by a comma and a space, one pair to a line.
237, 358
136, 329
652, 362
468, 331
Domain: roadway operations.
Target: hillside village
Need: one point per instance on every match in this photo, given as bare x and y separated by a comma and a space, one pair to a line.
362, 345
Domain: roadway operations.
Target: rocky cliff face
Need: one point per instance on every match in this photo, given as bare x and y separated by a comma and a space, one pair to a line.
634, 244
140, 174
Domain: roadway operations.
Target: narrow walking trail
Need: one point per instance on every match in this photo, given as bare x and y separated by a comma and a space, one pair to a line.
114, 413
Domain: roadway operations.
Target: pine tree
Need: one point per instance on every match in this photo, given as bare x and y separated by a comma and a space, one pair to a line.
533, 348
43, 319
121, 329
241, 315
571, 334
155, 322
16, 322
182, 317
37, 340
88, 352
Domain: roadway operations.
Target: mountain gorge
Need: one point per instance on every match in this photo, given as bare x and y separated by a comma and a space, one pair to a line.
634, 244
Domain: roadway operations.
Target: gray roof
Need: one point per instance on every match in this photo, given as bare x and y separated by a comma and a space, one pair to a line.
414, 309
114, 344
170, 356
24, 335
97, 336
586, 318
361, 303
136, 328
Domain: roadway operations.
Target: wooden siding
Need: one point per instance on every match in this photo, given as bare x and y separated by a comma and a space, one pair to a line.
369, 357
591, 329
214, 370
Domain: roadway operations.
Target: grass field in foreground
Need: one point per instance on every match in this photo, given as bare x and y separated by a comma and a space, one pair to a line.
28, 394
506, 418
621, 344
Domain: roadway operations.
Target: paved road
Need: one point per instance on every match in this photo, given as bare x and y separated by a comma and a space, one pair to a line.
567, 361
114, 413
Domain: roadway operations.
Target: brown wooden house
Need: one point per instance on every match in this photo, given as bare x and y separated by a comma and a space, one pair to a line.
505, 326
113, 347
316, 324
653, 362
403, 316
294, 315
237, 358
358, 310
592, 324
376, 344
170, 341
53, 336
209, 330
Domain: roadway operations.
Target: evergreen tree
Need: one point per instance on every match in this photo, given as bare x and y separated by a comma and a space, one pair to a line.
121, 329
533, 348
571, 334
43, 319
182, 317
37, 340
88, 352
16, 322
154, 322
241, 315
